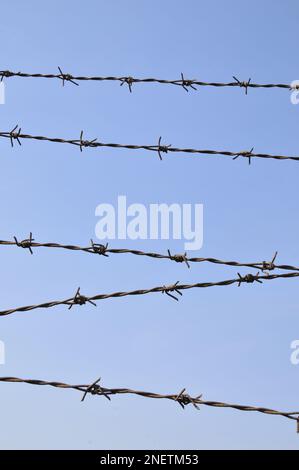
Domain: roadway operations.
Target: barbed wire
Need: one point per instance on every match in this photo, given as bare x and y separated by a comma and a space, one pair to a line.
182, 398
15, 135
170, 290
183, 82
104, 250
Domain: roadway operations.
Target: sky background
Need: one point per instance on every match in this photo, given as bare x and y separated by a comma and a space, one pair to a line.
227, 343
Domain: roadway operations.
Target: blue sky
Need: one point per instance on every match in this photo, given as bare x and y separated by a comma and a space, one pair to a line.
229, 344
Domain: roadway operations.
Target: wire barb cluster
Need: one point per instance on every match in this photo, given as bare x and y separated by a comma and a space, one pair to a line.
173, 288
246, 154
80, 300
66, 77
243, 84
250, 278
182, 398
179, 258
26, 243
15, 134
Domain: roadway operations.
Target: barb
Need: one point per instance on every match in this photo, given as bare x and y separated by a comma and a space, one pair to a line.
250, 278
152, 148
85, 143
66, 77
129, 80
91, 389
243, 84
179, 258
187, 83
100, 249
162, 148
97, 248
95, 389
15, 135
246, 154
269, 265
6, 74
81, 300
173, 288
27, 243
183, 398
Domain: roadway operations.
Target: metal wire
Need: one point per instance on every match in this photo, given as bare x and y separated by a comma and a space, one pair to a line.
182, 398
15, 135
183, 82
104, 250
170, 290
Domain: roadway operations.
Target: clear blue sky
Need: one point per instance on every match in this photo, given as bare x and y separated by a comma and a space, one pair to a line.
229, 344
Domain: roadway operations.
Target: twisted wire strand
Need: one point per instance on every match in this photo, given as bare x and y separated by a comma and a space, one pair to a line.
104, 250
182, 398
169, 290
16, 135
186, 84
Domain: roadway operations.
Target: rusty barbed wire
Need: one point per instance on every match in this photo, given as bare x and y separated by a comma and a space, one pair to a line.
15, 134
104, 250
182, 398
128, 80
79, 299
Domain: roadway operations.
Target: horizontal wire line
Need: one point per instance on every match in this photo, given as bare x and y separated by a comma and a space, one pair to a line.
16, 134
129, 80
182, 398
104, 250
170, 290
